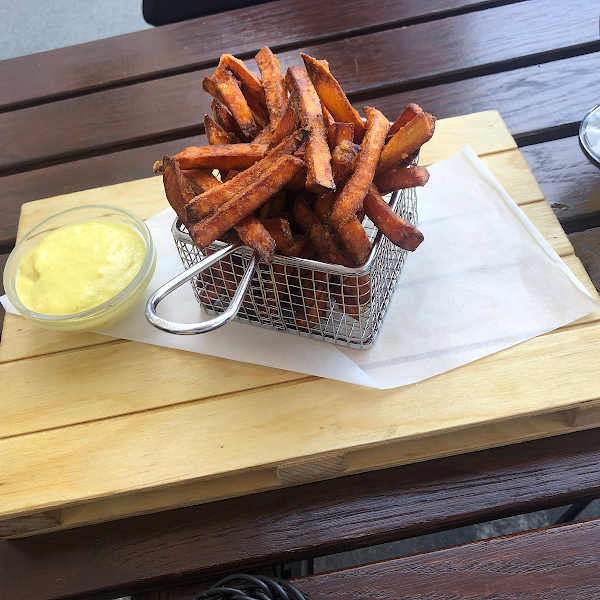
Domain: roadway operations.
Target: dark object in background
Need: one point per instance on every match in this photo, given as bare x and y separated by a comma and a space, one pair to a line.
247, 587
162, 12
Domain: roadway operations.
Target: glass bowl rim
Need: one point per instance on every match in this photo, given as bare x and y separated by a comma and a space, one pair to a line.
149, 260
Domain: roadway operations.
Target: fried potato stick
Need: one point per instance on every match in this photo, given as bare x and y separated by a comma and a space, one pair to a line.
255, 235
349, 202
226, 121
239, 207
411, 111
355, 240
338, 132
288, 121
398, 231
216, 135
318, 156
332, 95
296, 248
210, 201
201, 179
317, 234
245, 76
405, 141
228, 156
401, 178
279, 229
341, 159
177, 188
225, 88
272, 82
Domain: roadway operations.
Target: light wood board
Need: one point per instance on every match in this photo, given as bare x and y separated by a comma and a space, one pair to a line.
93, 428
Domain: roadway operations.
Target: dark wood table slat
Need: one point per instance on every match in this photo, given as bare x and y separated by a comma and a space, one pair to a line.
570, 182
369, 64
587, 247
271, 528
200, 42
75, 176
559, 562
537, 100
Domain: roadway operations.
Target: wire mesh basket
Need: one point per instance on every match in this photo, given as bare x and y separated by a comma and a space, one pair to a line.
333, 303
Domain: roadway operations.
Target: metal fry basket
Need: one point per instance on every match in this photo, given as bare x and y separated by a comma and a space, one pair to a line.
336, 304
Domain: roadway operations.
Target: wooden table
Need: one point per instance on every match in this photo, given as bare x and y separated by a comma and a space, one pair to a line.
101, 113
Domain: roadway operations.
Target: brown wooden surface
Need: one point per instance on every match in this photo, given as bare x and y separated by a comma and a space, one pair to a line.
200, 42
541, 101
559, 562
98, 171
376, 64
570, 182
315, 519
587, 247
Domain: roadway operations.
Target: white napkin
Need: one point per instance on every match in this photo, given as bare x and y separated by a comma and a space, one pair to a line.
483, 280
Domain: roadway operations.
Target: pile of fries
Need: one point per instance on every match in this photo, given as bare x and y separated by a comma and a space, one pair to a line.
292, 168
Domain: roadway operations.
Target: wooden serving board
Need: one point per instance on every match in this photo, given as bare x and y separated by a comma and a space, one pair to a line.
94, 428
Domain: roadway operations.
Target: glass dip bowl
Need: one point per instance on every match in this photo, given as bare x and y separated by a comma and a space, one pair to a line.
106, 313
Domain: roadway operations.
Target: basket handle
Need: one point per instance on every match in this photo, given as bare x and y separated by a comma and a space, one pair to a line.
192, 328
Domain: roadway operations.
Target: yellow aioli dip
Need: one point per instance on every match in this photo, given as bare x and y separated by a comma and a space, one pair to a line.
78, 267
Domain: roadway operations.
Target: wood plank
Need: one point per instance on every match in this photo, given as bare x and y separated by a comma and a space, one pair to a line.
558, 562
369, 64
357, 461
200, 42
587, 248
161, 447
266, 529
98, 171
571, 183
541, 98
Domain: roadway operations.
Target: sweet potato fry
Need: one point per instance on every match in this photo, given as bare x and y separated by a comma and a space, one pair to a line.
274, 206
318, 156
338, 132
402, 177
332, 95
279, 229
341, 158
405, 141
315, 306
272, 82
355, 240
287, 122
226, 121
411, 111
349, 202
317, 234
225, 217
398, 231
177, 188
228, 156
216, 135
245, 76
296, 248
254, 234
210, 201
201, 179
225, 88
